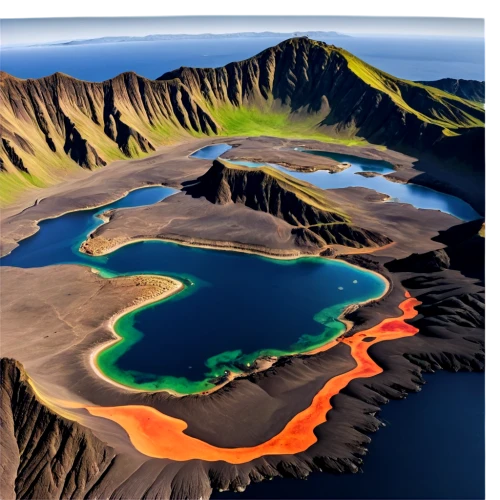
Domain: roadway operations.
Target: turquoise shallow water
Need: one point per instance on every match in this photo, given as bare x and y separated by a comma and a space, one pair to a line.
234, 308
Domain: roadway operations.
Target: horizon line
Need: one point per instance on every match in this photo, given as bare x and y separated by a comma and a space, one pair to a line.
201, 34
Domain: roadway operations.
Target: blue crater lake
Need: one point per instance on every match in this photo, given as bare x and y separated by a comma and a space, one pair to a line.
234, 308
211, 152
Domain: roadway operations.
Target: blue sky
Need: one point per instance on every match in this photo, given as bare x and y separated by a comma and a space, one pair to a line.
32, 31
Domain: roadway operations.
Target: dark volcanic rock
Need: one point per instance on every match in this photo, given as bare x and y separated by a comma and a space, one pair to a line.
319, 222
78, 148
14, 158
430, 262
345, 234
465, 252
450, 285
260, 190
44, 455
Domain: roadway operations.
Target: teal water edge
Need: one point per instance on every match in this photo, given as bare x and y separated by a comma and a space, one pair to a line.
234, 308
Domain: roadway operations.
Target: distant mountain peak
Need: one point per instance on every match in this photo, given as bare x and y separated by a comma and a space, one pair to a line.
300, 84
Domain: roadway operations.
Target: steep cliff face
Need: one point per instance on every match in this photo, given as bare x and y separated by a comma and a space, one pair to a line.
343, 94
44, 455
53, 122
57, 121
317, 219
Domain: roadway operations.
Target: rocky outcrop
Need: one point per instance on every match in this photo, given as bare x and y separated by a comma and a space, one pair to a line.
14, 158
267, 191
429, 262
43, 454
450, 284
317, 219
464, 252
78, 148
473, 90
344, 234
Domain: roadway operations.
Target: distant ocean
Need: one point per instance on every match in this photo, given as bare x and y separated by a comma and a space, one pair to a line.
412, 58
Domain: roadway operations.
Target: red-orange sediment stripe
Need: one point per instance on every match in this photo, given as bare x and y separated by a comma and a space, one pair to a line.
161, 436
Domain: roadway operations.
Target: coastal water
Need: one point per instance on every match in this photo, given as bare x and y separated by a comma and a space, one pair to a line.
431, 448
412, 58
413, 194
235, 307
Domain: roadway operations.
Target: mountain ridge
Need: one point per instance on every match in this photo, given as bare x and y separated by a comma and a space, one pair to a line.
48, 455
299, 88
316, 219
473, 90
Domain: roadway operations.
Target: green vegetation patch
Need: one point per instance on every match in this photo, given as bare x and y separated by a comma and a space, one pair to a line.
438, 100
13, 184
254, 121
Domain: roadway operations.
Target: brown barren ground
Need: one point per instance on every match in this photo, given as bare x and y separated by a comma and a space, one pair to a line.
53, 318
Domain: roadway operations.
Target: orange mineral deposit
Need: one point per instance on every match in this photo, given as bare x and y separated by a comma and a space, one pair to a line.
158, 435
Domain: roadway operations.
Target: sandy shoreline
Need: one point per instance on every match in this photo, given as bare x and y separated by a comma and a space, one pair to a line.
231, 247
117, 338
